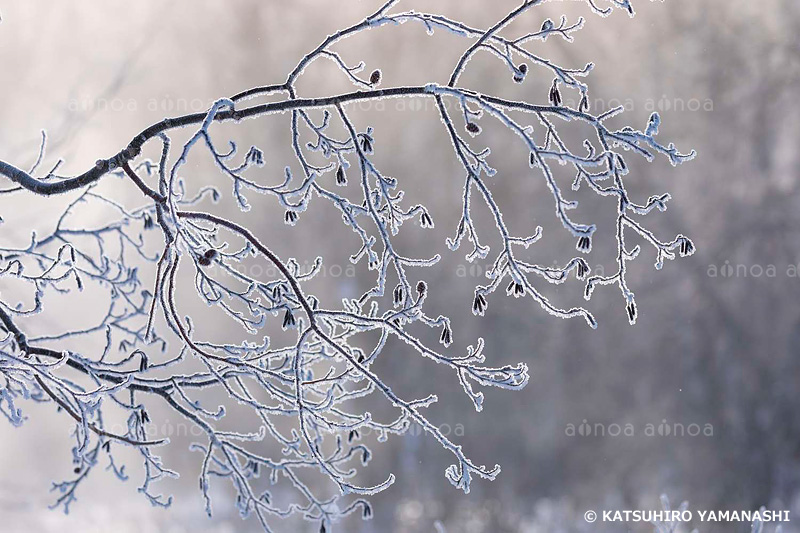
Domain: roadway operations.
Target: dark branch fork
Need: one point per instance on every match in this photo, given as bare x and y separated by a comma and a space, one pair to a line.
313, 379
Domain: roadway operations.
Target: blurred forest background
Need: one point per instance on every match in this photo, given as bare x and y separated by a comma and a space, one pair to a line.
717, 339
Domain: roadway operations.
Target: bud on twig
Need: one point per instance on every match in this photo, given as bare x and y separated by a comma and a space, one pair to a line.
375, 77
555, 94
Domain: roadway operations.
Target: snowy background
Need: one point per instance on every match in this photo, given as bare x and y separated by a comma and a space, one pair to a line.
717, 340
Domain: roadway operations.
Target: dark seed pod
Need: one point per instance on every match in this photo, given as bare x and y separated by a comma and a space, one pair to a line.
148, 221
519, 289
360, 358
375, 77
555, 94
425, 220
210, 253
533, 159
447, 335
582, 269
255, 156
367, 512
473, 128
143, 363
584, 104
584, 244
422, 288
398, 295
341, 178
519, 74
288, 319
547, 25
352, 435
203, 260
687, 247
77, 470
631, 310
479, 304
366, 144
290, 217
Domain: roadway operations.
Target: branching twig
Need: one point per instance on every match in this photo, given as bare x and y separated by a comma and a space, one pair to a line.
302, 392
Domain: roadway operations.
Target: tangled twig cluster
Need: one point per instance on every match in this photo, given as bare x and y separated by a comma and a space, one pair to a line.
312, 381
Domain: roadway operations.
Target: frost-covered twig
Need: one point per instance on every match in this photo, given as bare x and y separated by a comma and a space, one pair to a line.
301, 392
